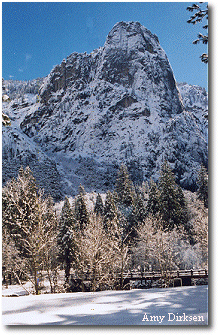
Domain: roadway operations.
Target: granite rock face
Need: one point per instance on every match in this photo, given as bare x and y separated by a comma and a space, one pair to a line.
20, 150
118, 104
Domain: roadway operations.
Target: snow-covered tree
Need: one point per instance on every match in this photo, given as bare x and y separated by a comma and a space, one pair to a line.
95, 255
20, 217
203, 185
167, 196
138, 215
66, 239
119, 240
124, 187
153, 199
25, 217
49, 237
160, 250
200, 15
99, 206
110, 210
172, 204
140, 210
13, 267
199, 223
143, 253
81, 212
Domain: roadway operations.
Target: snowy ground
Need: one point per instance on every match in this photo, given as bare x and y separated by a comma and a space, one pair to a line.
172, 306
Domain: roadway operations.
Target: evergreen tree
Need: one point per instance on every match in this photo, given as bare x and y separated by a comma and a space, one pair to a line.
124, 187
99, 207
182, 206
153, 199
172, 205
110, 210
66, 239
81, 190
140, 210
137, 215
167, 196
203, 185
81, 212
200, 15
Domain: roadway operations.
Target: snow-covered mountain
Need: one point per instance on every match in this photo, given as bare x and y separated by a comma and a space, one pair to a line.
194, 97
119, 103
17, 148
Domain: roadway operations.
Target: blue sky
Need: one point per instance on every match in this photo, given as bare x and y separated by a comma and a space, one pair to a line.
38, 35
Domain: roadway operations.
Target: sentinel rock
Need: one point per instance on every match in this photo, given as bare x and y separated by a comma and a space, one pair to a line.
131, 62
120, 103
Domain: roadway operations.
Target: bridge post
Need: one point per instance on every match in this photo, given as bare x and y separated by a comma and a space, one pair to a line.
177, 279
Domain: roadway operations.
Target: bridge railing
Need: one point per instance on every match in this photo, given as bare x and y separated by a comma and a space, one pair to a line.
173, 274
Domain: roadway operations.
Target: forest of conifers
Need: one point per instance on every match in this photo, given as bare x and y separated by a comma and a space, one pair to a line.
153, 226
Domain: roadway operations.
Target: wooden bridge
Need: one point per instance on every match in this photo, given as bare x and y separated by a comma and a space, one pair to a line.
177, 278
137, 279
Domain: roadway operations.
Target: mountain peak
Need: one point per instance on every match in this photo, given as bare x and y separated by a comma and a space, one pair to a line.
119, 104
131, 34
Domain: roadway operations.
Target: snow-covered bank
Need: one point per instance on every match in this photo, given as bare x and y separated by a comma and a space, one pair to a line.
172, 306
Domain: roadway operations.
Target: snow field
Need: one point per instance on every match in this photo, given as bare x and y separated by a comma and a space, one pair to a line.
172, 306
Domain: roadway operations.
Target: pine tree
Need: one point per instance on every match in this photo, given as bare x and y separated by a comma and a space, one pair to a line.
200, 15
124, 187
99, 207
81, 190
182, 210
172, 206
153, 199
203, 185
136, 217
110, 210
81, 212
66, 239
167, 196
139, 211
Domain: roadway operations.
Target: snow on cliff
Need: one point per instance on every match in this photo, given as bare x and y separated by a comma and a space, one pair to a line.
118, 104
